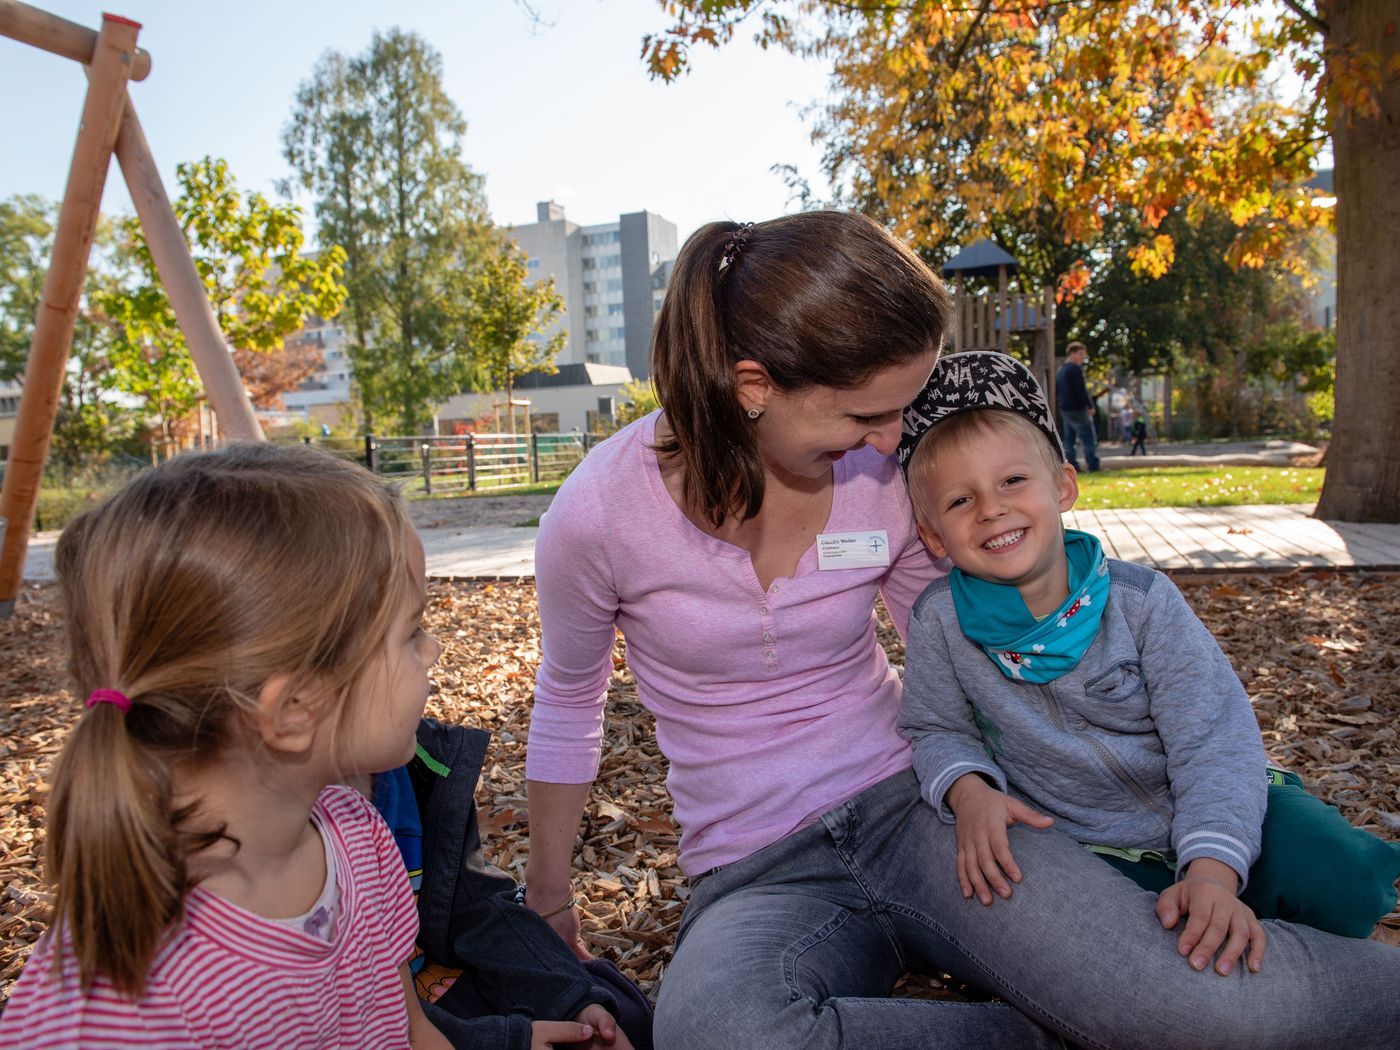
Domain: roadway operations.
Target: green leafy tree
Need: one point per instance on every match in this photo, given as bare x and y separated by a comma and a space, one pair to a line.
261, 285
639, 399
376, 141
1089, 106
510, 317
26, 242
1148, 324
88, 424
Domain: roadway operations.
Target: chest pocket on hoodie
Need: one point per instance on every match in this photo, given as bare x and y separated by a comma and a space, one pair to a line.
1121, 682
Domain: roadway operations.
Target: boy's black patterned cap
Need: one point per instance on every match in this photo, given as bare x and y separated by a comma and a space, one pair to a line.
975, 379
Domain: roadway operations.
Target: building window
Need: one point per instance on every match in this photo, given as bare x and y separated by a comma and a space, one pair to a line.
614, 284
532, 264
590, 263
589, 287
618, 333
614, 309
590, 311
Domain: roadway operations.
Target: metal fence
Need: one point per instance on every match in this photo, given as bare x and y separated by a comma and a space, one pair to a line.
466, 462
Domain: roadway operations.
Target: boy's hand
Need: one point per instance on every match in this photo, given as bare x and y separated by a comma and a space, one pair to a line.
1216, 917
606, 1032
547, 1034
984, 854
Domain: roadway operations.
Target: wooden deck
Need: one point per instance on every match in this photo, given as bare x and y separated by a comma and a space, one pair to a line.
1239, 539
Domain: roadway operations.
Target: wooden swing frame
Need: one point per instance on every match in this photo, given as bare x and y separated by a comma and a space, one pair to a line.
109, 125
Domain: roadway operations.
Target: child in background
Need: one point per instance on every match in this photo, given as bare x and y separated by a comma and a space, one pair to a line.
1139, 437
488, 963
1045, 683
245, 628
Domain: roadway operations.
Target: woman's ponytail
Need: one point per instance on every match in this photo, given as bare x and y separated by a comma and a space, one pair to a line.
693, 361
819, 298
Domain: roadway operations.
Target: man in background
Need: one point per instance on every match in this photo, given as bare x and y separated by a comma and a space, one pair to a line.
1076, 407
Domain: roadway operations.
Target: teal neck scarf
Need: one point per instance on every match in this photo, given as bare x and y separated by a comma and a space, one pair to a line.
994, 616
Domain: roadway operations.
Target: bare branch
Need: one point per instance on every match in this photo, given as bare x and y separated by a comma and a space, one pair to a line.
537, 21
1309, 17
962, 46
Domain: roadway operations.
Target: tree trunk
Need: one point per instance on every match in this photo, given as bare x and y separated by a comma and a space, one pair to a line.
1363, 468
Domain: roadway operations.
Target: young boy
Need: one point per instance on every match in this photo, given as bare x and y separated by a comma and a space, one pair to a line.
490, 972
1046, 684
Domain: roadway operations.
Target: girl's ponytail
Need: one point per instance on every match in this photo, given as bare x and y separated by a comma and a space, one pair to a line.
112, 850
188, 590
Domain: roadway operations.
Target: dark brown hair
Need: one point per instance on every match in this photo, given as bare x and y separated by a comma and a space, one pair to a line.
819, 298
186, 591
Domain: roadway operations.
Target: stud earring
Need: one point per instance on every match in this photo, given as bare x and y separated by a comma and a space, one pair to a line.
754, 413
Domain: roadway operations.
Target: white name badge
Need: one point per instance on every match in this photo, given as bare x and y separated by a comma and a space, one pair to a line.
853, 550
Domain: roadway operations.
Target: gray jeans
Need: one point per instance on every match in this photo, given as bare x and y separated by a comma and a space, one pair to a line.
798, 946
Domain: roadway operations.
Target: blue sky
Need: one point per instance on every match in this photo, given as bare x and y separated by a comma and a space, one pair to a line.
562, 111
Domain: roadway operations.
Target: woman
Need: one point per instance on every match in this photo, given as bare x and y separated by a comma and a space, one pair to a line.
738, 540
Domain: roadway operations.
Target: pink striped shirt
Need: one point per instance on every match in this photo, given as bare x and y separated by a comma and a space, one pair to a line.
229, 979
771, 706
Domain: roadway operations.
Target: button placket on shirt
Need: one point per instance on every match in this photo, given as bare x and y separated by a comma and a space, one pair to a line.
770, 634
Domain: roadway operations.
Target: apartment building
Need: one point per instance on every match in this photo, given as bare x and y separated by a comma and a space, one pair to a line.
612, 277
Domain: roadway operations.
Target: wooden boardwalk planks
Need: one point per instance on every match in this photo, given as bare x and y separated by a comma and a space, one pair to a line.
1238, 539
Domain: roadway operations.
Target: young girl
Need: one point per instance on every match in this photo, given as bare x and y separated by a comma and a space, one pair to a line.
244, 628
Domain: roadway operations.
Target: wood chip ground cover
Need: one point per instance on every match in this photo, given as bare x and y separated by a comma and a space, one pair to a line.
1318, 652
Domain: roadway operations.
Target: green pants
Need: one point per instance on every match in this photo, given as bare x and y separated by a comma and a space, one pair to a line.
1314, 868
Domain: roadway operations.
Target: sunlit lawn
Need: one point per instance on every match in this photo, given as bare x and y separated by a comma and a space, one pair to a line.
1198, 487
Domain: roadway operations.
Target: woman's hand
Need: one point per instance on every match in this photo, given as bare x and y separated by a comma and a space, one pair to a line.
565, 924
1216, 917
984, 852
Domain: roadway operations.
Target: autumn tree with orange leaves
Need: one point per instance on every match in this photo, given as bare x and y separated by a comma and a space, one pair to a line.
1046, 118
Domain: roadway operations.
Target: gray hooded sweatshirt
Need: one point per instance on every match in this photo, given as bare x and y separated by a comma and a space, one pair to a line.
1148, 743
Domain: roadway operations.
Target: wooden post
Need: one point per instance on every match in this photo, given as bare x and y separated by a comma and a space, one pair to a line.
37, 28
960, 303
1003, 315
63, 289
222, 383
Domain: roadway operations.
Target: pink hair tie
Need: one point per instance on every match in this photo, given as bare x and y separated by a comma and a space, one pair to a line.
109, 696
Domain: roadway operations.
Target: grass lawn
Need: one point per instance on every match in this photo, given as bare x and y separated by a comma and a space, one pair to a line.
1198, 487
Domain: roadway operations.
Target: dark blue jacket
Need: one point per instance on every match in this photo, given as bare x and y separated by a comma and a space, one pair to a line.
1071, 392
515, 967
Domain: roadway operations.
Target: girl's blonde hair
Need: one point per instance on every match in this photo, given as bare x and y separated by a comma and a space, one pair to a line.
187, 591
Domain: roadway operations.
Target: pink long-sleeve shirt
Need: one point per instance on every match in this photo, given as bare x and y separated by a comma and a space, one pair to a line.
771, 706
